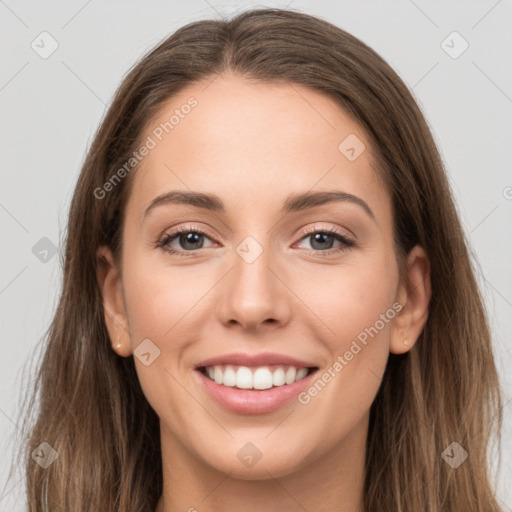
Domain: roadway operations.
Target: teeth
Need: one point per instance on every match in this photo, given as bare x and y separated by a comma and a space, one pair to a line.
262, 377
290, 375
243, 378
301, 373
229, 377
278, 377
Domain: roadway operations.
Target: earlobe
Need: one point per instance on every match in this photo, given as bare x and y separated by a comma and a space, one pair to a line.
414, 298
110, 285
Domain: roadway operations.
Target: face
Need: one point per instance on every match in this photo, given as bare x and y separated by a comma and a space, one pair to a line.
252, 284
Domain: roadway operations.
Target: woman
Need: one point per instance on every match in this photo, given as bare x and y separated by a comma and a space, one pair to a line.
268, 302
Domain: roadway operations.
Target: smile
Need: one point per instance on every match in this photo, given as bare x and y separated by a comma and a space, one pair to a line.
256, 378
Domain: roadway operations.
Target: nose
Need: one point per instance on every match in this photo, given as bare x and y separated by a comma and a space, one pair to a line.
254, 295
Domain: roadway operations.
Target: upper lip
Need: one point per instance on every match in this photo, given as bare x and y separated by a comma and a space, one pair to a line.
263, 359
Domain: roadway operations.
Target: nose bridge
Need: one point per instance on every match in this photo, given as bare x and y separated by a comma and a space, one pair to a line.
253, 294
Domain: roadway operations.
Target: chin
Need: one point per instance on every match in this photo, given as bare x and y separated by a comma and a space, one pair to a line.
258, 460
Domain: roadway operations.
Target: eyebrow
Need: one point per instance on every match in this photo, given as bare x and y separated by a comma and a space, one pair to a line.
293, 203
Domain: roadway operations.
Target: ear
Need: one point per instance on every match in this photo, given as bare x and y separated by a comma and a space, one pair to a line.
111, 287
414, 298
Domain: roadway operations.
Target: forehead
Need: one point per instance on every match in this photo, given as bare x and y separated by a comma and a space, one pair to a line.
250, 140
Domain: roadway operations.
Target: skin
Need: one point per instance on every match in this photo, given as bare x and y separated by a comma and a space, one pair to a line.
252, 144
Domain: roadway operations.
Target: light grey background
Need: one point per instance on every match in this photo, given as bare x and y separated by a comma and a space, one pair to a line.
51, 107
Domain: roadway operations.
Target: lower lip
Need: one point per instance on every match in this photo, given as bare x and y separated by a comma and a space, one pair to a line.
248, 401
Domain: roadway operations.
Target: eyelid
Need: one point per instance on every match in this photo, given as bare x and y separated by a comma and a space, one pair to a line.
186, 229
327, 229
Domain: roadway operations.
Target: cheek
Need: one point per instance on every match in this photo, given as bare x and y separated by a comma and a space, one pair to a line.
350, 299
159, 296
159, 302
357, 305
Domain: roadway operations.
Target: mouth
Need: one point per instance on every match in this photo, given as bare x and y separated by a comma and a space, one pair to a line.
254, 383
256, 378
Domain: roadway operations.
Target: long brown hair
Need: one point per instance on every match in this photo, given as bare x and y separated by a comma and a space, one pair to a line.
90, 407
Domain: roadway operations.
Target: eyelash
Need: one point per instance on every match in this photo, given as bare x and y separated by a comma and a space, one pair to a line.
163, 243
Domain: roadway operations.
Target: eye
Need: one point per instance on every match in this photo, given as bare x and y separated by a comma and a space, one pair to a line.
322, 241
187, 239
